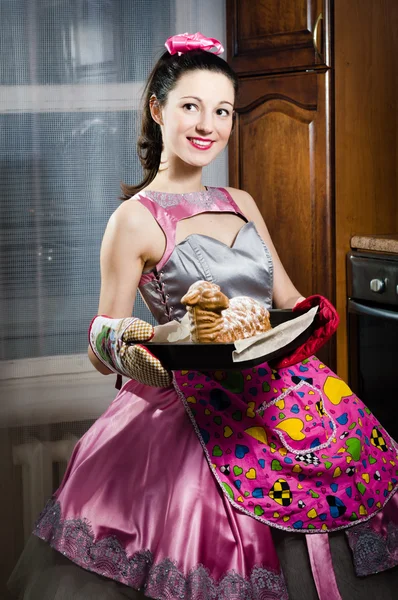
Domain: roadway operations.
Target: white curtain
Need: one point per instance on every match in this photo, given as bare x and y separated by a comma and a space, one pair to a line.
71, 77
72, 73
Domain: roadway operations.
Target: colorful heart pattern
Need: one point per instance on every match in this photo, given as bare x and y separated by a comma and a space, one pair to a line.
304, 452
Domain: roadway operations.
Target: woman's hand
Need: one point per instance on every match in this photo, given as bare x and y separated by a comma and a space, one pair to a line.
297, 302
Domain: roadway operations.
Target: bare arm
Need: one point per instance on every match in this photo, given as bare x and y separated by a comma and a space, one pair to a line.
131, 239
285, 294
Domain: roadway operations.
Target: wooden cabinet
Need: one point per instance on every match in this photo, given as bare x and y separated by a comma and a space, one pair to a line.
366, 132
279, 155
314, 141
275, 35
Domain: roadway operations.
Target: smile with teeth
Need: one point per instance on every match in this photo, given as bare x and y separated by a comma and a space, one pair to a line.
201, 144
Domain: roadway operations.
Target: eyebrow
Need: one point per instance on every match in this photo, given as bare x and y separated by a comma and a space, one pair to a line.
200, 100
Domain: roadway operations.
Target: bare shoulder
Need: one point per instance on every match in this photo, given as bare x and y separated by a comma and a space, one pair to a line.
133, 221
131, 216
133, 231
245, 202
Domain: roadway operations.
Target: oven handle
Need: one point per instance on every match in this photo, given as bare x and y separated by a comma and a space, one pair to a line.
363, 309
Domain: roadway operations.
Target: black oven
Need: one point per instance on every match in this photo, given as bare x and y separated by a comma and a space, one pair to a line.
372, 280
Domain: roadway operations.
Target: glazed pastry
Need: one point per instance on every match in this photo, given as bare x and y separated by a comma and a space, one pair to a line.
216, 319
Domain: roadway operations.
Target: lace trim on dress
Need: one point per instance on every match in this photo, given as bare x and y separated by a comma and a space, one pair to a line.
372, 551
205, 199
74, 538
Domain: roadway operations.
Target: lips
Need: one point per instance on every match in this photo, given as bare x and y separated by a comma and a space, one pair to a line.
201, 143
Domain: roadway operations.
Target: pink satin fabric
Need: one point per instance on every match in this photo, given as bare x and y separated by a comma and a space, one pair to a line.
322, 567
139, 474
186, 42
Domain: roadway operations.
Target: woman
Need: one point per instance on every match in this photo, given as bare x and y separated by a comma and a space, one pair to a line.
202, 485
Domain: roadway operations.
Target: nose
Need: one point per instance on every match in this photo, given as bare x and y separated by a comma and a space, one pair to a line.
205, 123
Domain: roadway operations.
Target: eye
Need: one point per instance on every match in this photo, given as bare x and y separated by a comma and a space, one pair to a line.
190, 107
223, 112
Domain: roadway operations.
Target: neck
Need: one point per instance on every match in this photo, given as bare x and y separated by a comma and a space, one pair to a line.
177, 178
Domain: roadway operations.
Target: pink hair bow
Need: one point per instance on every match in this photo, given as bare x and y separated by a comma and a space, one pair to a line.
185, 42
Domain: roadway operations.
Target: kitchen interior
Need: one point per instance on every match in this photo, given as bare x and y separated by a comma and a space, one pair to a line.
315, 142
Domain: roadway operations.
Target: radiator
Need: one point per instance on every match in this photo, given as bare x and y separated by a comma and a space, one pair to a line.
40, 461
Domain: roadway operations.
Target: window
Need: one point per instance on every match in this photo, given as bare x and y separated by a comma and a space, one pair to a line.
72, 74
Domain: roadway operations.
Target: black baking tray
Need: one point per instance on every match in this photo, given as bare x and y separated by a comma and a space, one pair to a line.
201, 357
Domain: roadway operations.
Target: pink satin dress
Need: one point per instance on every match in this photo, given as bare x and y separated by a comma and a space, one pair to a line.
143, 501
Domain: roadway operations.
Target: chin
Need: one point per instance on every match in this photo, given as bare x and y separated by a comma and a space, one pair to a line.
200, 161
201, 164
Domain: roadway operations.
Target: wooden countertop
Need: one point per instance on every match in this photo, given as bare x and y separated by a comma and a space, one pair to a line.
376, 243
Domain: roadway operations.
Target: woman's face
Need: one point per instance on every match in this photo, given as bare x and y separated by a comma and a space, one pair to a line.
197, 117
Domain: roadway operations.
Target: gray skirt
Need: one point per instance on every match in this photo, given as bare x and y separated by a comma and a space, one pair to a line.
44, 574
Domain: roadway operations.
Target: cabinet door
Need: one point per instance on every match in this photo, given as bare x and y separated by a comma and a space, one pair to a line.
277, 35
279, 153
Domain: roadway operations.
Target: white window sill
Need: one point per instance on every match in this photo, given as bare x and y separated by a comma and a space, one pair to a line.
52, 389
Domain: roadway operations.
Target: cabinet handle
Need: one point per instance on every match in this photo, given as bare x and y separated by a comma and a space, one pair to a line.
315, 35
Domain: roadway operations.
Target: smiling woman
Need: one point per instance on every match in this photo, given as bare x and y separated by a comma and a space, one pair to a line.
188, 107
205, 121
176, 489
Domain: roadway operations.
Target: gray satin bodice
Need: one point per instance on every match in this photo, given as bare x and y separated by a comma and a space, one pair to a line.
245, 269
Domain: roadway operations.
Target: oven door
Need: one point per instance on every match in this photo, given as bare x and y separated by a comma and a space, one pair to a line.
373, 360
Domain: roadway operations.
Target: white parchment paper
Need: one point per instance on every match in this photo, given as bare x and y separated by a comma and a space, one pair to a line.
249, 348
274, 339
173, 332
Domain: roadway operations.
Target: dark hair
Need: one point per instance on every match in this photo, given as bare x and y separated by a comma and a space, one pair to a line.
161, 81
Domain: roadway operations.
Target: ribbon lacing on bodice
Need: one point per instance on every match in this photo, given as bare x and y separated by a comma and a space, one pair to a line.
163, 295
